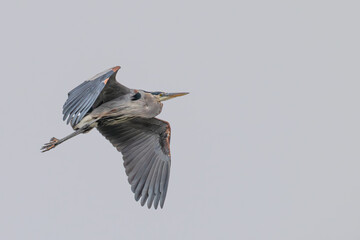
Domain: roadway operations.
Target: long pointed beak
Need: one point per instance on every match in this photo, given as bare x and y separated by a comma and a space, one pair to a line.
167, 96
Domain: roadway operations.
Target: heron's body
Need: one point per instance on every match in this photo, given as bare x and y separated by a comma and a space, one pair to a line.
126, 117
118, 110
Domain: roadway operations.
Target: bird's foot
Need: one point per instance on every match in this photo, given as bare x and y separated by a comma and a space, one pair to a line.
50, 145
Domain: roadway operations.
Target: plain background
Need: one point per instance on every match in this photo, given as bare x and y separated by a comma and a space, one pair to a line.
266, 146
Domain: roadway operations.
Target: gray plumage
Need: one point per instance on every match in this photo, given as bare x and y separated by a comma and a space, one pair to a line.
125, 117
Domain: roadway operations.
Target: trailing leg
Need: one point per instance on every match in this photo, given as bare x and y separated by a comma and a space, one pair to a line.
54, 141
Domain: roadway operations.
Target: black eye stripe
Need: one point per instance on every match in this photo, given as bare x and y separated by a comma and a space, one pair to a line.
154, 93
136, 96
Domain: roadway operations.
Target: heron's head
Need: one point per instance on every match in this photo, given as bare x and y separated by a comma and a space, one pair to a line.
163, 96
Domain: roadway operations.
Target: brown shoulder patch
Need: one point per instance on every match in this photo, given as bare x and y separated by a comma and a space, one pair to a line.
115, 69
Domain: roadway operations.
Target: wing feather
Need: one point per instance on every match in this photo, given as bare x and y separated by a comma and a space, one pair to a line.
149, 183
90, 94
70, 103
71, 106
144, 143
157, 186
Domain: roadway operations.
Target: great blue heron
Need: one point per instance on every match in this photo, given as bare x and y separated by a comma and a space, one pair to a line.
126, 117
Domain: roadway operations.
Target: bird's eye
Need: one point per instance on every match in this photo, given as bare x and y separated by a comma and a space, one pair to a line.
136, 96
161, 94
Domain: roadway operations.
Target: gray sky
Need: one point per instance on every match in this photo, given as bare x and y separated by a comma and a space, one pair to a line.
266, 146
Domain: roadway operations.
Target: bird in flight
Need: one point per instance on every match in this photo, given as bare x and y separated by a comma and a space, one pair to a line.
125, 117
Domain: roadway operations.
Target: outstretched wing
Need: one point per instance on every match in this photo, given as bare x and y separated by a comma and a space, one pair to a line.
101, 88
145, 146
